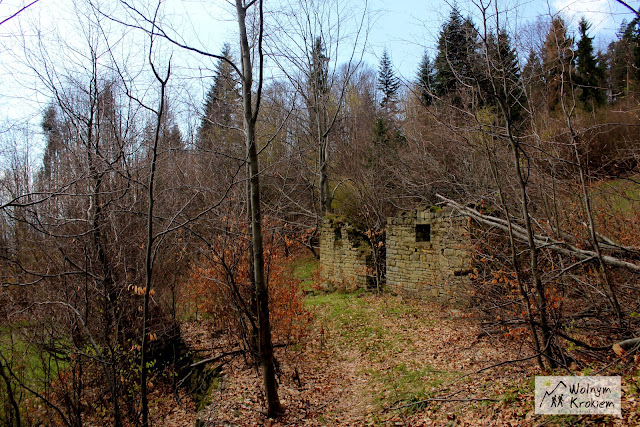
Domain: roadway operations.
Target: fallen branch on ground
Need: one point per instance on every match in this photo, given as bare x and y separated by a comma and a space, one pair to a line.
216, 358
445, 399
626, 345
541, 241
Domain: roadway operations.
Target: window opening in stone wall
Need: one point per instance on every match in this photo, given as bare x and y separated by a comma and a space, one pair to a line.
337, 233
423, 232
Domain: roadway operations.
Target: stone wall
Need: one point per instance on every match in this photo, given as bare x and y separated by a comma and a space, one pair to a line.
427, 253
344, 253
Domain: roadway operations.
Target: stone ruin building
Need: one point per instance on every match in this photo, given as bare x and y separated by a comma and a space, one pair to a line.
345, 254
427, 253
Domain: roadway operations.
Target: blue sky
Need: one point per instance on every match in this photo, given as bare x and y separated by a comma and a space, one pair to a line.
405, 27
409, 27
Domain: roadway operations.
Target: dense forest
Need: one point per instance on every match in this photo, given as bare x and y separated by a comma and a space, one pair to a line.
133, 227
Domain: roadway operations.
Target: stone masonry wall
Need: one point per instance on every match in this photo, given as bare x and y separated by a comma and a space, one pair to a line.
344, 255
427, 253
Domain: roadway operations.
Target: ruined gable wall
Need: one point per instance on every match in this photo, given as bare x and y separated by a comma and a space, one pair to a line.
344, 255
428, 253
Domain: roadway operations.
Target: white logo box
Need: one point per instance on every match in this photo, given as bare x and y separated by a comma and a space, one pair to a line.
578, 395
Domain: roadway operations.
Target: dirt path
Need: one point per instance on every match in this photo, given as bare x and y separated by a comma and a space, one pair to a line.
375, 360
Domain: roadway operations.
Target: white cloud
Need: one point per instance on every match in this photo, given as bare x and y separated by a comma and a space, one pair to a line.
604, 15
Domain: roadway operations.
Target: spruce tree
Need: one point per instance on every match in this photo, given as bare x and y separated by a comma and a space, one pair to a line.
388, 83
589, 75
506, 74
457, 62
386, 132
426, 80
623, 57
557, 62
221, 105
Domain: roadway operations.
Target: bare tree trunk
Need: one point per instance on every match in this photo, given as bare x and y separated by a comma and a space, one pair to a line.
265, 345
14, 411
323, 148
613, 299
325, 196
150, 241
94, 213
514, 260
252, 339
318, 29
549, 243
533, 257
501, 97
568, 112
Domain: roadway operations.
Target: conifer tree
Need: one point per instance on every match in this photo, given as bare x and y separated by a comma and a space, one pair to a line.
557, 62
386, 131
506, 73
426, 80
589, 75
388, 83
623, 57
221, 105
456, 63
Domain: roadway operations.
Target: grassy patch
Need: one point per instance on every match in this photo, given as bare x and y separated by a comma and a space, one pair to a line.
515, 392
30, 364
404, 387
336, 303
364, 324
380, 333
361, 321
620, 195
304, 269
346, 312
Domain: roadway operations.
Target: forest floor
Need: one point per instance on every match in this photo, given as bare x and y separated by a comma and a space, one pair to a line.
386, 360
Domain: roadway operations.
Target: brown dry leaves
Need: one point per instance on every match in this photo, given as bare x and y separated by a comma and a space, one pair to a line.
368, 355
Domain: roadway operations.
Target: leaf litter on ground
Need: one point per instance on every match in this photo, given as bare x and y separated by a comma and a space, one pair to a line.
386, 360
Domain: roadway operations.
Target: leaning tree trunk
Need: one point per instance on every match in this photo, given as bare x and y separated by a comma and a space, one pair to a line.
524, 294
503, 102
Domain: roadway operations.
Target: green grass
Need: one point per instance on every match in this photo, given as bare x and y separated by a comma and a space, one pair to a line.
619, 195
30, 365
362, 323
359, 319
304, 269
405, 387
346, 310
402, 384
22, 356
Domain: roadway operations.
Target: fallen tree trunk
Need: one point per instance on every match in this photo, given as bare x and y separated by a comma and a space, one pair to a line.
629, 344
541, 241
